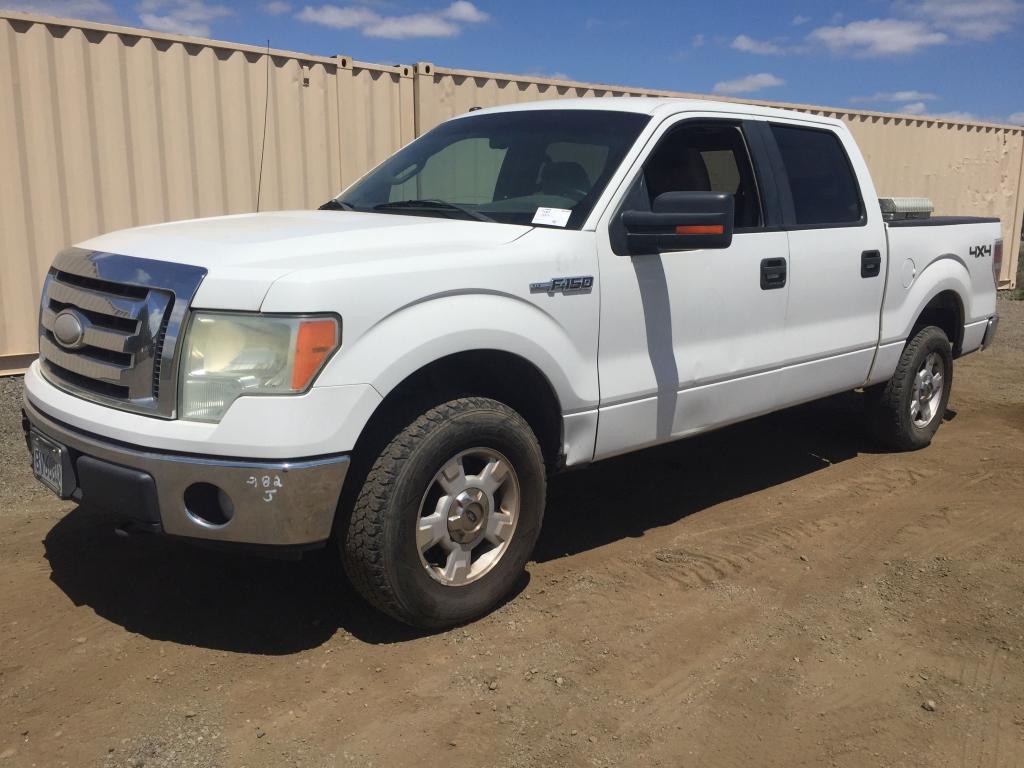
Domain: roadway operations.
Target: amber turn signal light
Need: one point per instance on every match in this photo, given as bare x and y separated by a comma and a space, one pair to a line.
700, 229
314, 342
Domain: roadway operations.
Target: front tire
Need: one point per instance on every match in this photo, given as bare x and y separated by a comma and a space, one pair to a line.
448, 514
906, 411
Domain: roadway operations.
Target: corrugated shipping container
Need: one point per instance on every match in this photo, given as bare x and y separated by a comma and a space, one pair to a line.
104, 127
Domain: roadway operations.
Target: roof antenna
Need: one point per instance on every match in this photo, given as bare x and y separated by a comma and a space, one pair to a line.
263, 145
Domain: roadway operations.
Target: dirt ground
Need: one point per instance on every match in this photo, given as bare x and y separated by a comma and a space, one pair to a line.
778, 593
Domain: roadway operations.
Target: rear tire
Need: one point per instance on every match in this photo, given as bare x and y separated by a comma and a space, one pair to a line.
906, 411
448, 514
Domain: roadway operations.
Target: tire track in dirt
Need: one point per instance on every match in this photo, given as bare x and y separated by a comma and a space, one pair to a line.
991, 736
738, 557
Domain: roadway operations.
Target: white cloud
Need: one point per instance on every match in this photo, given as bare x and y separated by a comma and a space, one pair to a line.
748, 84
1017, 118
880, 96
973, 20
914, 26
539, 72
413, 25
95, 10
276, 8
954, 115
910, 96
914, 108
338, 18
446, 22
878, 37
697, 41
750, 45
183, 17
462, 10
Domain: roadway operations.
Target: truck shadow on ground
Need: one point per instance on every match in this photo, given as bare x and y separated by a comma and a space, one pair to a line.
631, 494
228, 600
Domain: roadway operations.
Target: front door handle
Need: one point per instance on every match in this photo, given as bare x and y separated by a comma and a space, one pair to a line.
773, 274
870, 264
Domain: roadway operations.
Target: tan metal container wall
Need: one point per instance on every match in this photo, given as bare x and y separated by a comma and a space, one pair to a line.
107, 127
104, 127
376, 105
964, 167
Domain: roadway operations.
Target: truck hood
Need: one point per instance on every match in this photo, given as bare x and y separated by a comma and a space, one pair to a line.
244, 254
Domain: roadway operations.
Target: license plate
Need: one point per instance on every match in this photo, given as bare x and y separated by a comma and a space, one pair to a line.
48, 463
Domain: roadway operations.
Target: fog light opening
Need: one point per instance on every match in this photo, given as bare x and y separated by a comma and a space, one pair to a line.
209, 504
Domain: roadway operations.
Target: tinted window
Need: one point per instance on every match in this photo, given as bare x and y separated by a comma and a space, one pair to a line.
705, 157
503, 166
591, 158
464, 172
823, 184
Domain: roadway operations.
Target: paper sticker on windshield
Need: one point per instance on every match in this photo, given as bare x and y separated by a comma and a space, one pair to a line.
552, 217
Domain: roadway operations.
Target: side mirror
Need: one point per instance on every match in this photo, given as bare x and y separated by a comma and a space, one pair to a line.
681, 221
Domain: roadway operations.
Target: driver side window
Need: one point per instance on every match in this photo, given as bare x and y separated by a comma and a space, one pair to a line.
705, 157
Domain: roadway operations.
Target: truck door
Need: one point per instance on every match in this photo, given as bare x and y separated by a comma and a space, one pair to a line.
689, 338
837, 260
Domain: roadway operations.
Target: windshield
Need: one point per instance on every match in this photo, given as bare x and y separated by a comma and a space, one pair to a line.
503, 167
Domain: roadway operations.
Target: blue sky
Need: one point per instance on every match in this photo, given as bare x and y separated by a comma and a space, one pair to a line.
938, 57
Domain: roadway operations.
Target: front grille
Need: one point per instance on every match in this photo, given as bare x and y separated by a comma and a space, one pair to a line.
110, 326
158, 347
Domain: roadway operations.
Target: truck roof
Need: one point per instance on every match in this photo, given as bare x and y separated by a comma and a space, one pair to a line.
659, 105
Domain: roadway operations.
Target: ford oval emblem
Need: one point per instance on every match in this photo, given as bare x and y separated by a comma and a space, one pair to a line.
68, 329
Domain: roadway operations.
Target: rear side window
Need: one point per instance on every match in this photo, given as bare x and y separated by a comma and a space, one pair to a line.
823, 185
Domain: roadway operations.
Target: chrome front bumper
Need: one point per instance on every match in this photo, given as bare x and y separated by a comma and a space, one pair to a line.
285, 503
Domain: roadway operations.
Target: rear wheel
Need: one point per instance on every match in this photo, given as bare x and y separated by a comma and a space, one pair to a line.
448, 514
907, 410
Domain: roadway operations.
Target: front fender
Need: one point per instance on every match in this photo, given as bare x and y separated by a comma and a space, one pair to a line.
418, 334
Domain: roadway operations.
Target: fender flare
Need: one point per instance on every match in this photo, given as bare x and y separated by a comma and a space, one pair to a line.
420, 333
947, 272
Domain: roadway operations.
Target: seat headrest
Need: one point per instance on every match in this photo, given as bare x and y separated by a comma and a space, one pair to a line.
561, 177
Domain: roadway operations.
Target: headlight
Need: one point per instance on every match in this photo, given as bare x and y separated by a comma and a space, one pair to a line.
227, 355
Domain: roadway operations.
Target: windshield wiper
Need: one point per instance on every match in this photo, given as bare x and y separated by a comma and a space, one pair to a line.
336, 205
432, 205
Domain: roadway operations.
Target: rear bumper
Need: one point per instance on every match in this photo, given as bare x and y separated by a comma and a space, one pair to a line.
990, 332
284, 503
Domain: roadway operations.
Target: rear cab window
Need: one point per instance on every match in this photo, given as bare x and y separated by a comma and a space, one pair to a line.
822, 183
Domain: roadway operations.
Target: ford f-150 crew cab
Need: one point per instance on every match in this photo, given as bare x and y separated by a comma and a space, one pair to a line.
517, 291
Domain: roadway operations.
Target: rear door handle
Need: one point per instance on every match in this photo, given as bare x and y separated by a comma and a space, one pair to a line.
870, 264
773, 274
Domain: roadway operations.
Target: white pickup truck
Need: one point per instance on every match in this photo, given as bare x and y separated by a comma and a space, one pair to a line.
518, 291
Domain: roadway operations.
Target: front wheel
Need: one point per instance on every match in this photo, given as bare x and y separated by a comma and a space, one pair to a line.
906, 411
448, 514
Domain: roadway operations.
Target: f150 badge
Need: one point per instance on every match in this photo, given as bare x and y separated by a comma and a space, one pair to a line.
977, 251
566, 285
